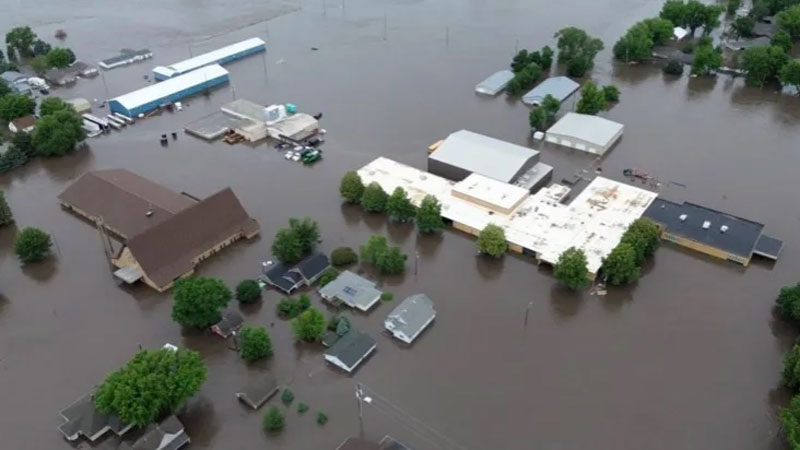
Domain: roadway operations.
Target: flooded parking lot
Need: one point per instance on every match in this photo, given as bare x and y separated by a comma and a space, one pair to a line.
687, 358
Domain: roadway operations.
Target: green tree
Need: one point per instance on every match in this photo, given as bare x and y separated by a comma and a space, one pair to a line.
58, 57
329, 275
6, 217
24, 143
551, 105
760, 9
525, 79
492, 241
620, 265
429, 215
519, 61
706, 60
290, 308
374, 198
58, 133
579, 65
391, 261
306, 232
546, 59
790, 423
635, 45
256, 343
399, 207
51, 105
41, 47
537, 118
4, 89
153, 382
309, 326
248, 291
287, 396
21, 39
39, 64
286, 247
732, 6
592, 99
782, 39
790, 376
789, 21
788, 302
302, 408
12, 159
762, 64
273, 420
661, 30
711, 18
675, 12
351, 187
197, 302
343, 256
743, 26
574, 42
611, 93
322, 418
373, 249
790, 74
571, 270
13, 106
32, 245
644, 236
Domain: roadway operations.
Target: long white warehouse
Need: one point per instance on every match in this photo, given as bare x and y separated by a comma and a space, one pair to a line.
151, 97
221, 56
539, 225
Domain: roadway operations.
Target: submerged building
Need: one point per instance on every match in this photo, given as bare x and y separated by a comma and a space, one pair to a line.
149, 98
495, 83
584, 132
559, 88
463, 153
220, 56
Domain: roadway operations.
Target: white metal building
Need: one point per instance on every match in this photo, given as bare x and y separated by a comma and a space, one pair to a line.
591, 134
495, 83
221, 56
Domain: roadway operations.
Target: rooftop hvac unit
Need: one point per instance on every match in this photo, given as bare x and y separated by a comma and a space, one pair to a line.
723, 228
706, 225
683, 217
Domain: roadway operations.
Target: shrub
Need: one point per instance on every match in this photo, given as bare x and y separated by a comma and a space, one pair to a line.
289, 308
387, 296
343, 256
570, 270
287, 396
611, 93
329, 275
273, 420
374, 198
302, 408
322, 419
492, 241
673, 67
256, 343
789, 301
32, 245
248, 291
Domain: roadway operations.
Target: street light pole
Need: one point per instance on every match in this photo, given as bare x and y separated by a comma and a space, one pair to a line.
360, 397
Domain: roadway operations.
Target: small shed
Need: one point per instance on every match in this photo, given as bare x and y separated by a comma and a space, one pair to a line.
559, 87
495, 83
679, 33
230, 323
81, 105
256, 394
24, 124
410, 317
591, 134
349, 351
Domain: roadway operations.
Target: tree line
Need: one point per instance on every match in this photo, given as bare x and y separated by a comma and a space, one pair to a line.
788, 305
23, 44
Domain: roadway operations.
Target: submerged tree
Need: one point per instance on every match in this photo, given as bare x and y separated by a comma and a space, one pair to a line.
492, 241
256, 343
429, 215
571, 269
374, 198
309, 326
197, 302
620, 265
788, 302
6, 217
592, 99
399, 207
32, 245
351, 187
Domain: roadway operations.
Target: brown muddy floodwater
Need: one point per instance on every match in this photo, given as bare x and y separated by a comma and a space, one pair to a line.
688, 358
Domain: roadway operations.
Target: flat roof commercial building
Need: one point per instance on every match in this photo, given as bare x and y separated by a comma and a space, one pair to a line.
591, 134
220, 56
149, 98
538, 225
410, 318
495, 83
712, 232
170, 250
464, 152
559, 87
124, 202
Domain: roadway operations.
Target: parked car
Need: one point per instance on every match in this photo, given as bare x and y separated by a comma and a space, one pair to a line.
289, 154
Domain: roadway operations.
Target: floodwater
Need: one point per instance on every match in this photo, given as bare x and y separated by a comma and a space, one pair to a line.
688, 358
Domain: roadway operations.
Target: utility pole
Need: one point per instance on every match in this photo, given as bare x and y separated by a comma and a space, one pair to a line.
360, 397
416, 262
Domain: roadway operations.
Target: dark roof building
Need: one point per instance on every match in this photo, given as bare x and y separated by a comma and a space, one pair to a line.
125, 202
166, 435
82, 419
350, 350
230, 323
358, 444
172, 248
712, 232
289, 278
258, 393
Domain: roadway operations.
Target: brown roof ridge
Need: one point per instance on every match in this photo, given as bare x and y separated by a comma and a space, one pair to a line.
99, 172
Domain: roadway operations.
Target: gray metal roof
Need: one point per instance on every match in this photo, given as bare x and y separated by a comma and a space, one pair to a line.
351, 289
495, 83
739, 238
411, 316
768, 247
11, 76
558, 87
352, 348
592, 129
484, 155
83, 418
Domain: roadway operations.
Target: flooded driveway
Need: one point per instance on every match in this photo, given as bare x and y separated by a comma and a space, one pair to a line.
688, 358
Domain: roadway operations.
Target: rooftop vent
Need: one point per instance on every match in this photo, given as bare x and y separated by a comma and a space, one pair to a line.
683, 217
723, 228
706, 225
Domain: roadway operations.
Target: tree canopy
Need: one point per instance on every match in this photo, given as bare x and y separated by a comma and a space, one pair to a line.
789, 21
661, 30
58, 57
706, 60
620, 265
256, 343
429, 215
58, 133
592, 99
540, 118
343, 256
50, 105
692, 14
273, 420
790, 423
375, 246
374, 198
571, 269
197, 302
298, 240
306, 231
577, 49
391, 261
644, 236
790, 74
41, 47
289, 308
542, 58
788, 302
635, 45
782, 39
492, 241
152, 383
763, 64
743, 26
248, 291
13, 106
399, 207
524, 79
6, 218
309, 326
32, 245
21, 39
611, 93
351, 187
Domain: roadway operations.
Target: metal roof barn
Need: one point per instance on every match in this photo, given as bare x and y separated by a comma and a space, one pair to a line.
584, 132
151, 97
558, 87
495, 83
222, 55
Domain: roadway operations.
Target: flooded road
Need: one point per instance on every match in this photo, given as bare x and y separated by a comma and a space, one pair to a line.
688, 358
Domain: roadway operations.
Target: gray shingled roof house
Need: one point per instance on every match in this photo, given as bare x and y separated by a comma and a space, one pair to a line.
166, 435
231, 322
352, 290
81, 418
256, 394
288, 278
387, 443
410, 317
352, 348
